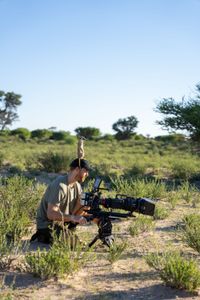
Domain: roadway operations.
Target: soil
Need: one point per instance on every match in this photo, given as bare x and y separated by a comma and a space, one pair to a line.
128, 278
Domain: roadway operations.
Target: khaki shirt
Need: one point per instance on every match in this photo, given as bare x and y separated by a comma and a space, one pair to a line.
61, 194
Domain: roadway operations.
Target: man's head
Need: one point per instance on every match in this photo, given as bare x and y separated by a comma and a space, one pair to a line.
81, 167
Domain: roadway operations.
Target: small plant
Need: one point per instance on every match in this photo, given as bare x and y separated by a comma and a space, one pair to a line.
60, 260
173, 198
175, 270
9, 251
141, 224
189, 193
161, 212
115, 252
191, 231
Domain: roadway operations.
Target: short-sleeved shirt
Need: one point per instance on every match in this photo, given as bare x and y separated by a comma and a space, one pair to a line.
59, 193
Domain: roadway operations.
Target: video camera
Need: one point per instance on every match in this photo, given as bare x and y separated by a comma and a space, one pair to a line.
94, 200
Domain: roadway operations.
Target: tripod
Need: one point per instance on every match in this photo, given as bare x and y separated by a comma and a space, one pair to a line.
104, 232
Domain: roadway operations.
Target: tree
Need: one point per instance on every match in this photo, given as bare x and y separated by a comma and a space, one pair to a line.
88, 132
60, 135
184, 115
41, 134
8, 106
125, 128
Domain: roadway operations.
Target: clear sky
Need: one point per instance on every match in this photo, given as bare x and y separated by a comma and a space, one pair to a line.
91, 62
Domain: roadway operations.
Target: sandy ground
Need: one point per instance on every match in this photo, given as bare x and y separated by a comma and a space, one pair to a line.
129, 278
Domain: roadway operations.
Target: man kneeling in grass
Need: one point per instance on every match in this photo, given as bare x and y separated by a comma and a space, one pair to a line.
61, 203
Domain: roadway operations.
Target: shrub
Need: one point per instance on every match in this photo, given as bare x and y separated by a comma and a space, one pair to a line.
9, 251
172, 138
41, 133
173, 198
115, 251
184, 168
108, 137
175, 270
22, 133
139, 188
1, 159
138, 170
19, 199
161, 212
189, 193
191, 231
58, 261
141, 224
60, 135
70, 140
53, 162
5, 132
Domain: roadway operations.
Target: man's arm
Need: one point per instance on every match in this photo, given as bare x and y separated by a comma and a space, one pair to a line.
54, 214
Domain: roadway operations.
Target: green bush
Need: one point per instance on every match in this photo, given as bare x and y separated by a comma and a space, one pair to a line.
108, 137
19, 200
141, 224
60, 260
60, 135
172, 138
161, 212
115, 251
5, 132
139, 187
173, 198
191, 231
175, 270
1, 159
41, 133
22, 133
9, 251
54, 162
138, 170
189, 193
184, 168
70, 140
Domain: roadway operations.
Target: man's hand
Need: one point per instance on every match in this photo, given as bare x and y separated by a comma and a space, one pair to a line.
78, 219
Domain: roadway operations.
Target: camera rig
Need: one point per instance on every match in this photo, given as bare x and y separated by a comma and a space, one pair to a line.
98, 205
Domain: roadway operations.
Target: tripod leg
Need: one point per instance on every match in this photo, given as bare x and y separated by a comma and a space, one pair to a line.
93, 241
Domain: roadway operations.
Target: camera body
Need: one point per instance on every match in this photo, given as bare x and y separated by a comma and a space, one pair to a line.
94, 200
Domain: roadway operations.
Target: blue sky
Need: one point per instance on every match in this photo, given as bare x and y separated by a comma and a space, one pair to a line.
91, 62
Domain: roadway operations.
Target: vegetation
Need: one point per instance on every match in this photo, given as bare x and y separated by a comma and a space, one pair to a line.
9, 103
138, 167
140, 225
54, 162
182, 115
60, 260
115, 251
125, 128
22, 133
175, 270
191, 231
88, 132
